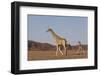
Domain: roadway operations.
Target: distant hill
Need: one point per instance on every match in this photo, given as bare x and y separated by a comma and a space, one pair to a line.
40, 46
33, 45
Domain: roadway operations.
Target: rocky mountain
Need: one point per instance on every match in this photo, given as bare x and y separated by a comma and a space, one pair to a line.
40, 46
33, 45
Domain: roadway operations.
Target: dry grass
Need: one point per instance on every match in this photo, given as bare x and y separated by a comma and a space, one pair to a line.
49, 55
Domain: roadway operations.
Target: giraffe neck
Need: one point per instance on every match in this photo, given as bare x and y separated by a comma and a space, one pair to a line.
54, 34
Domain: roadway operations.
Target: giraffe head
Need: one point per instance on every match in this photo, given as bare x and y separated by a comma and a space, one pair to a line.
79, 42
49, 29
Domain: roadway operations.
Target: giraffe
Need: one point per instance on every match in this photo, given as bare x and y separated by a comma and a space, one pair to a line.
80, 46
60, 41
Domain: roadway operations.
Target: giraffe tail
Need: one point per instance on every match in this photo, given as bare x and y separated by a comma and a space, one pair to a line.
67, 44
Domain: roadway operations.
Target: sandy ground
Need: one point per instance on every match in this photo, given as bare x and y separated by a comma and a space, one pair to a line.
50, 55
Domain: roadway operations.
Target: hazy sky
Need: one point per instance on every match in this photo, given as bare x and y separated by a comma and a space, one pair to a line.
72, 28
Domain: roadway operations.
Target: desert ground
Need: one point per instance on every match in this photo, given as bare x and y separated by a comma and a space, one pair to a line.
46, 51
49, 55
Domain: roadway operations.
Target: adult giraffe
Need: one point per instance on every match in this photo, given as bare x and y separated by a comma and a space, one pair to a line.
60, 41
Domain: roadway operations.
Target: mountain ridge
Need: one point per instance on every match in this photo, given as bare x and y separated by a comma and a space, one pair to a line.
34, 45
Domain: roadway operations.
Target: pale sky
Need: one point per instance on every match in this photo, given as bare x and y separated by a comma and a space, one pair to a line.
72, 28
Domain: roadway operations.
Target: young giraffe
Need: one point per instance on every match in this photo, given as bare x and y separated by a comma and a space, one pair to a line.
59, 42
79, 46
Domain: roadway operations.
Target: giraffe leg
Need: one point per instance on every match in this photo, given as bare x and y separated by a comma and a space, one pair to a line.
65, 49
56, 50
66, 52
60, 51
